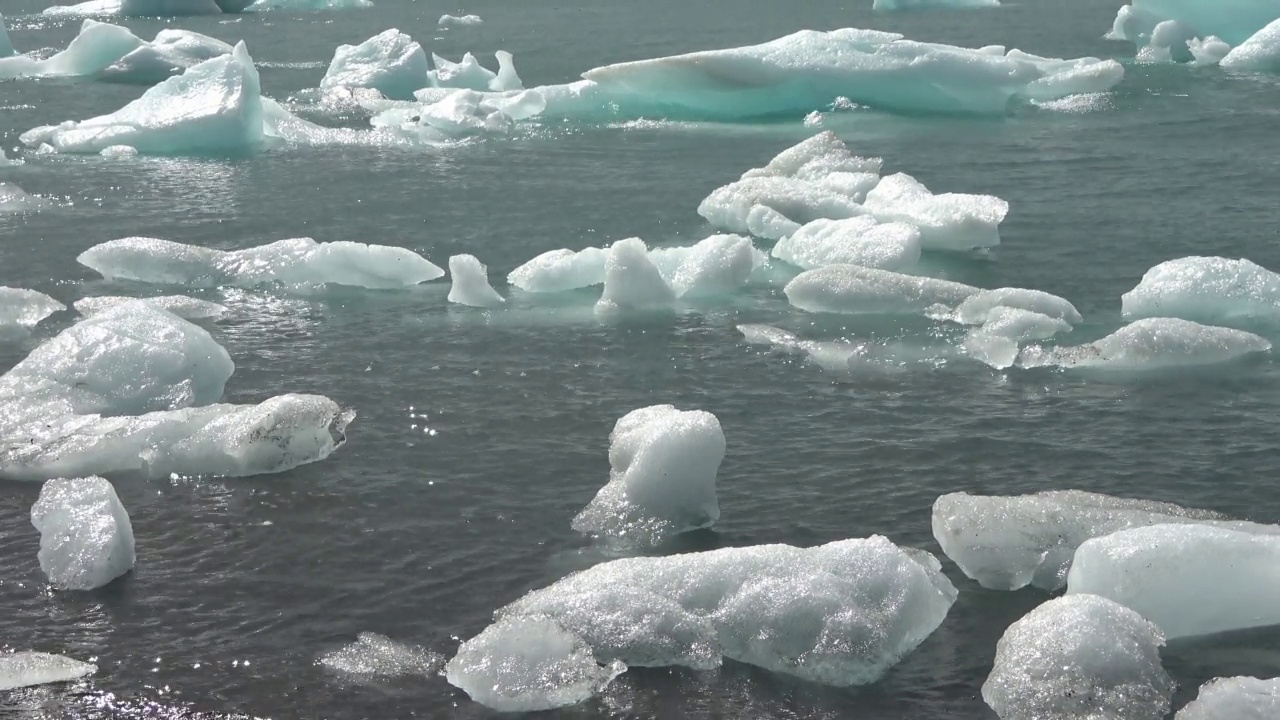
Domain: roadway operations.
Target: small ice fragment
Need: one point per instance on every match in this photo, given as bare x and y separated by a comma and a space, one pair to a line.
26, 669
471, 283
86, 539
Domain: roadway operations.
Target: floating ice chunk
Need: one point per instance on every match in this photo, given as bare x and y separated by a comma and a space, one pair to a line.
840, 614
390, 62
6, 47
1261, 52
798, 73
137, 8
816, 158
86, 539
305, 5
22, 309
1236, 698
930, 4
292, 263
769, 335
460, 20
853, 289
1168, 43
170, 53
526, 665
765, 222
96, 47
119, 151
469, 74
858, 240
1009, 542
800, 201
996, 343
662, 480
952, 221
213, 106
631, 281
1208, 51
1211, 289
507, 79
14, 199
471, 283
561, 270
156, 361
1079, 657
1187, 579
1152, 344
976, 309
26, 669
714, 266
379, 656
187, 308
1232, 20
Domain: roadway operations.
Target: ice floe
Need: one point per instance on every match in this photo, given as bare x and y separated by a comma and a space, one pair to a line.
1151, 344
26, 669
1009, 542
854, 289
1079, 657
662, 477
297, 262
460, 20
1235, 698
1209, 289
471, 283
86, 539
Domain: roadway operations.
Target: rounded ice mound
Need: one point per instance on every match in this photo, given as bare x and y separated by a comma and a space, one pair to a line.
471, 283
1207, 289
713, 266
1152, 344
390, 62
1208, 51
1079, 657
561, 270
1187, 579
1009, 542
815, 159
662, 478
840, 614
733, 206
526, 665
187, 308
951, 221
861, 240
997, 342
27, 669
375, 655
1236, 698
22, 309
976, 309
86, 540
460, 21
1232, 20
852, 289
152, 260
632, 281
157, 361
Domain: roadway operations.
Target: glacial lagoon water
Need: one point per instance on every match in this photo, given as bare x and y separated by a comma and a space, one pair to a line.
480, 434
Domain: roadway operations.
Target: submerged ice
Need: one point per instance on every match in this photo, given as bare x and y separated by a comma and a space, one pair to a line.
662, 477
86, 539
296, 262
1079, 657
27, 669
376, 655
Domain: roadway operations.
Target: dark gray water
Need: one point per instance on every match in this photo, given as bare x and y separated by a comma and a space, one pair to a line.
242, 584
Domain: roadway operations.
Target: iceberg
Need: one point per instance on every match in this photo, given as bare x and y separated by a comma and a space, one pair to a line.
662, 477
375, 655
561, 270
631, 281
137, 8
930, 4
1208, 289
807, 70
27, 669
860, 240
307, 5
1187, 579
22, 309
95, 48
86, 539
716, 265
1009, 542
1234, 21
977, 308
1079, 657
460, 20
1261, 52
214, 106
839, 614
526, 665
170, 53
1151, 344
469, 74
187, 308
853, 289
1236, 698
998, 340
952, 221
391, 63
471, 283
293, 263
